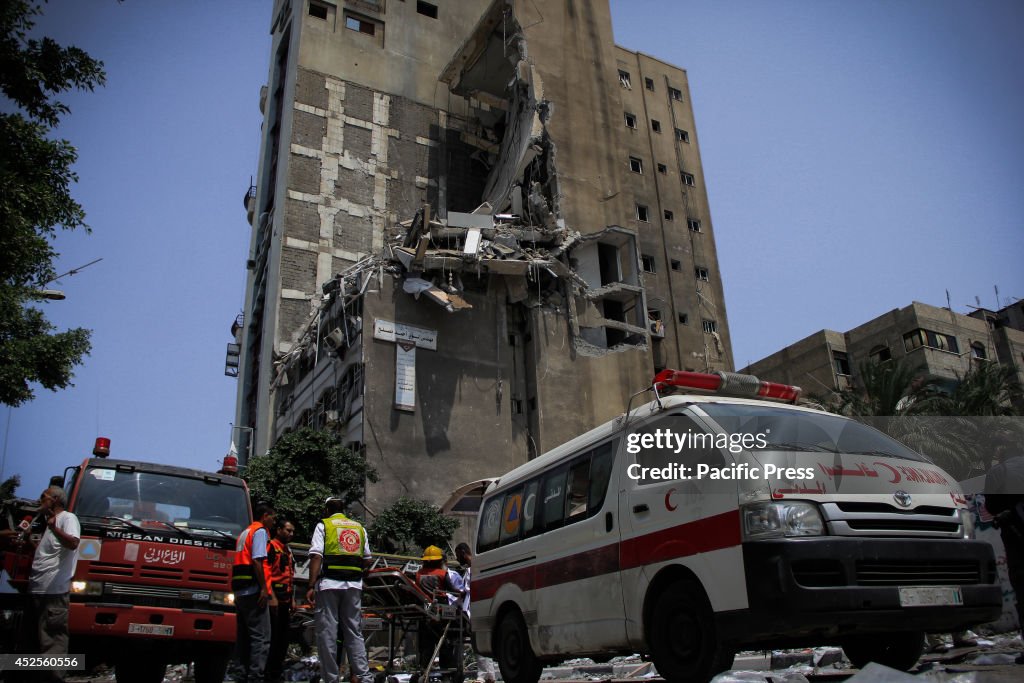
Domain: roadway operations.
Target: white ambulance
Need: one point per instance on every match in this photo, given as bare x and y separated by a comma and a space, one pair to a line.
698, 525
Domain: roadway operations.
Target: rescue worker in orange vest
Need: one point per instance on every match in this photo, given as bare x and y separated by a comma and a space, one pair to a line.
434, 580
249, 584
280, 571
338, 553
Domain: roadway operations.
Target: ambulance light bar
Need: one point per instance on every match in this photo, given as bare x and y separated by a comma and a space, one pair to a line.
727, 384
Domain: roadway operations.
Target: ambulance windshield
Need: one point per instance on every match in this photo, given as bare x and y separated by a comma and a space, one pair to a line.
798, 430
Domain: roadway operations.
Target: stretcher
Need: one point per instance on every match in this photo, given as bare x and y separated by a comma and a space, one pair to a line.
392, 601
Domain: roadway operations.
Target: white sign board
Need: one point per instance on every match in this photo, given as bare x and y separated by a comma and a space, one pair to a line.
385, 330
405, 376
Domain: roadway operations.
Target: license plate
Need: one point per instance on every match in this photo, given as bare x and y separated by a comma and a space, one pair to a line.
927, 596
151, 629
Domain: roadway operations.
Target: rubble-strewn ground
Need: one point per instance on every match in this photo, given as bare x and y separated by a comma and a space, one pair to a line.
992, 661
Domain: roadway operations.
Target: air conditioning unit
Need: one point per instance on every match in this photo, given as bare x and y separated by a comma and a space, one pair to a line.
336, 338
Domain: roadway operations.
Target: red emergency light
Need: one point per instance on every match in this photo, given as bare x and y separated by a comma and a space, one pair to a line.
726, 383
102, 447
230, 465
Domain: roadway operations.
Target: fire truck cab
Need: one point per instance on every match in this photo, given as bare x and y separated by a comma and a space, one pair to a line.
152, 585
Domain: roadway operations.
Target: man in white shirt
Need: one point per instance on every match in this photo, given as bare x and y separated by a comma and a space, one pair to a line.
484, 666
338, 554
50, 579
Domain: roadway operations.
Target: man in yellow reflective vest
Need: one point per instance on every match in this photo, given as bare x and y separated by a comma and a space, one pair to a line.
338, 553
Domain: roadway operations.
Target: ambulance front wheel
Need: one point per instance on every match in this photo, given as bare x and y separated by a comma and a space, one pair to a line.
682, 636
895, 650
516, 659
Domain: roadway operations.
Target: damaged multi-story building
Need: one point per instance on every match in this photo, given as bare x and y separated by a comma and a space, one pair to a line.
477, 229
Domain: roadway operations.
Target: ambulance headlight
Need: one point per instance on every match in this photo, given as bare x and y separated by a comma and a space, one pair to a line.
87, 588
779, 519
222, 598
967, 522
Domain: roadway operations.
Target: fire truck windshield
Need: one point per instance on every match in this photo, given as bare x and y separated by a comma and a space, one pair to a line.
161, 500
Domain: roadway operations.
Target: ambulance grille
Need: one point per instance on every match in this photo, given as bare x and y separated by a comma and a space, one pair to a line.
882, 519
909, 573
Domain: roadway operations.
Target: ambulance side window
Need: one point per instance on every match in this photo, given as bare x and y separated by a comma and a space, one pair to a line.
553, 499
512, 516
578, 484
674, 440
530, 508
600, 473
490, 523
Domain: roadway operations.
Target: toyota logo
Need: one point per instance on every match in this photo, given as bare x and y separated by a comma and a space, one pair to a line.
902, 499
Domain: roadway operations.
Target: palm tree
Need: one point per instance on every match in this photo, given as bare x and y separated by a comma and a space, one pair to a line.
881, 389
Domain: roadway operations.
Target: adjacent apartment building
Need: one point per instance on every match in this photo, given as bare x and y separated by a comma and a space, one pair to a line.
477, 229
942, 343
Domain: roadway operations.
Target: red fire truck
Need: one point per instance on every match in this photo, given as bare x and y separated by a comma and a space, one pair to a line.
153, 582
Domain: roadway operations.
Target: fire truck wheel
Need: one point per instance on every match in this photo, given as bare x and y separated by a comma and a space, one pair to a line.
515, 656
139, 669
682, 637
894, 650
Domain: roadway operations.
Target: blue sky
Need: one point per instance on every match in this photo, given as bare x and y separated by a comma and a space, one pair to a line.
858, 156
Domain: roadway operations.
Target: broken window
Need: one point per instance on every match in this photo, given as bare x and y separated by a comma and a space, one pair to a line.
662, 168
624, 80
675, 94
701, 273
693, 224
630, 120
656, 126
614, 313
676, 264
684, 319
710, 326
842, 362
682, 135
649, 84
317, 9
669, 215
688, 179
880, 354
360, 24
426, 9
642, 213
636, 165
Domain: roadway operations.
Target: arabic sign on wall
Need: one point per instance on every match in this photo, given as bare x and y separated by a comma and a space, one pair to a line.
386, 330
405, 376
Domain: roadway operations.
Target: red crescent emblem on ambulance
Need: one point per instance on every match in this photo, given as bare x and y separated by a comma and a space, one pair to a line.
895, 473
668, 500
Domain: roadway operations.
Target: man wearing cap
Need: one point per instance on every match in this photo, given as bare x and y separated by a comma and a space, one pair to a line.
338, 554
434, 579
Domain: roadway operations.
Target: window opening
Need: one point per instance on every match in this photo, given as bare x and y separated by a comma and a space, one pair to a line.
426, 9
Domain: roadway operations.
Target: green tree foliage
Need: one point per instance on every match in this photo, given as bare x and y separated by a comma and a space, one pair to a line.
35, 199
880, 388
410, 525
301, 470
8, 487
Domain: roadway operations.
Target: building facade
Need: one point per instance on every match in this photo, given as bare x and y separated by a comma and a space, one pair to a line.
477, 229
943, 344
